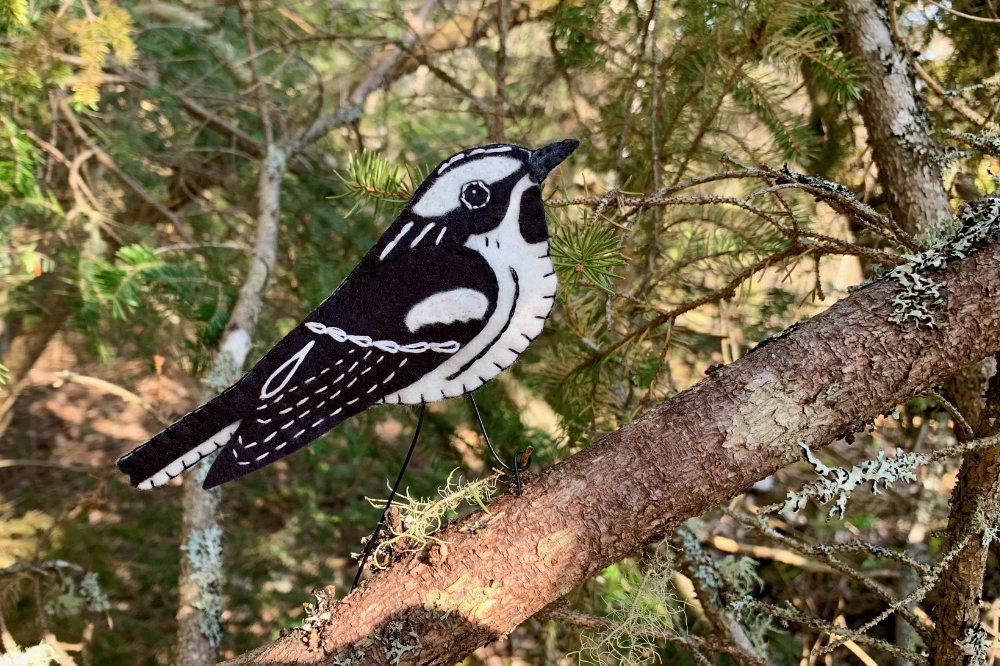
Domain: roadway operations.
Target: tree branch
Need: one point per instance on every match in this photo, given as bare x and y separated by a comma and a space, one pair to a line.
896, 123
821, 380
109, 163
351, 113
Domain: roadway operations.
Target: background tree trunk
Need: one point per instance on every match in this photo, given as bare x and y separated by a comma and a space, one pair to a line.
896, 123
904, 151
822, 380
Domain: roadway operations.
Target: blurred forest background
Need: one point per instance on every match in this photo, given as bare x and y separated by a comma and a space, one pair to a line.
156, 158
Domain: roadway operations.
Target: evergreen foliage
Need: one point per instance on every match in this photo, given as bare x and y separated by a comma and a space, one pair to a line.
130, 141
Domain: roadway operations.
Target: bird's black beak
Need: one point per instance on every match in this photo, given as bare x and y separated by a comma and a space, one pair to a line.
544, 160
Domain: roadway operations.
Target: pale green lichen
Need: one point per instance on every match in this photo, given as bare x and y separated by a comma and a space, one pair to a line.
653, 610
921, 293
397, 638
421, 518
95, 597
36, 655
225, 371
988, 528
74, 597
975, 644
740, 574
395, 646
837, 483
203, 550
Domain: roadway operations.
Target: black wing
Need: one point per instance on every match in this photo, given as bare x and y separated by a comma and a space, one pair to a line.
348, 354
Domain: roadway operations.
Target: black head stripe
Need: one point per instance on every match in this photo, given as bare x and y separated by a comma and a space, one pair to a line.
532, 216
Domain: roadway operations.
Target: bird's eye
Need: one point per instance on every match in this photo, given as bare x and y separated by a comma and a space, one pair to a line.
475, 195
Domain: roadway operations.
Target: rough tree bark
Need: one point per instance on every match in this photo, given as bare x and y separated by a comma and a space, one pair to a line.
819, 381
896, 122
904, 151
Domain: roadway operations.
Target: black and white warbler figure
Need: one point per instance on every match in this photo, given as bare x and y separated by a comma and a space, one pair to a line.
454, 291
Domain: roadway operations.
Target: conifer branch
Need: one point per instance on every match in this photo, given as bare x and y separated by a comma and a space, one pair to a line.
713, 441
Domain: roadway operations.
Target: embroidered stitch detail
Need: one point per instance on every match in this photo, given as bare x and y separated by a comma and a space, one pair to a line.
390, 346
392, 244
421, 234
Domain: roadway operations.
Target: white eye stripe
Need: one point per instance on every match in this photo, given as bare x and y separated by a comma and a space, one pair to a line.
469, 153
444, 195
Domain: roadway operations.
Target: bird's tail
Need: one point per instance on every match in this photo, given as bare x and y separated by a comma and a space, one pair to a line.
181, 445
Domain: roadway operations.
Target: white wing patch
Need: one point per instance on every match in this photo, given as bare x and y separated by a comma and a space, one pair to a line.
286, 371
447, 307
443, 196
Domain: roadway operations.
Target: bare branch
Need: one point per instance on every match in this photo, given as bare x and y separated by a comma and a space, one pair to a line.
104, 158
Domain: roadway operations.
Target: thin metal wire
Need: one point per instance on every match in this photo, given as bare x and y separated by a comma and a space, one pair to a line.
373, 541
517, 468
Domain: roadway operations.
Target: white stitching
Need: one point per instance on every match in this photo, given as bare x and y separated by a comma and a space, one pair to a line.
390, 346
392, 244
422, 234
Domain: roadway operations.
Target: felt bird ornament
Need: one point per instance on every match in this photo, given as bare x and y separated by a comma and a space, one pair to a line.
453, 292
